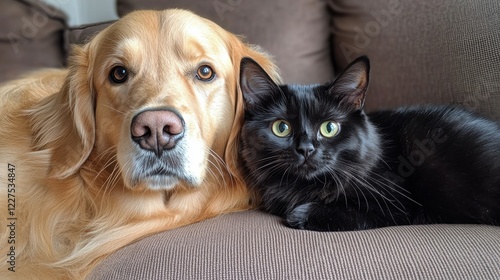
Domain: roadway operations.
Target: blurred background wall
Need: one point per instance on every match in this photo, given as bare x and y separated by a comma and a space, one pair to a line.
86, 11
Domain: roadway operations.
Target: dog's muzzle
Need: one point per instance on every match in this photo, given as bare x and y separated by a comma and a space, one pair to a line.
157, 130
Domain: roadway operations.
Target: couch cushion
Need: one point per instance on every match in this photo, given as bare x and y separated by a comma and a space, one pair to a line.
254, 245
423, 51
32, 36
295, 32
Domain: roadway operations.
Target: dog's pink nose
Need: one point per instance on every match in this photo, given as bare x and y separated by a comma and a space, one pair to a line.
157, 130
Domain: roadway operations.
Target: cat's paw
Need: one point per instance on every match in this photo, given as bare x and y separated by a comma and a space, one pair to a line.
297, 218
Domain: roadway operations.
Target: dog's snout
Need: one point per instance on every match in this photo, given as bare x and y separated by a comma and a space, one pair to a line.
157, 130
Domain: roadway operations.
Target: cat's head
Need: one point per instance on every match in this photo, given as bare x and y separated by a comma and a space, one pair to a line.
305, 131
348, 89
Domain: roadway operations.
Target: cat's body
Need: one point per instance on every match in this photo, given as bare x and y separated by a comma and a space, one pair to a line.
316, 159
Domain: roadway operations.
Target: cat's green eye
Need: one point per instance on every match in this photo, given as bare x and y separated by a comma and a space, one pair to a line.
329, 129
281, 128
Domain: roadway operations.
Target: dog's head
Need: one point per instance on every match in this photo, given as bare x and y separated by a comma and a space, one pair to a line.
156, 96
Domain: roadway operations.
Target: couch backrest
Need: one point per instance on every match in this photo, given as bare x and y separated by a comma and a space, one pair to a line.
295, 32
421, 51
32, 36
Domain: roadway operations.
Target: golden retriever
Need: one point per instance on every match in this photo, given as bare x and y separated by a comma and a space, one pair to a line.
136, 137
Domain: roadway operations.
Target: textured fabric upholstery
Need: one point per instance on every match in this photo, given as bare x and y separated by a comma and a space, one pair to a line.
32, 36
423, 51
254, 245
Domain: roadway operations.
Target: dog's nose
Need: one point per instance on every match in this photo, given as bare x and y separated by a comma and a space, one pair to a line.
157, 130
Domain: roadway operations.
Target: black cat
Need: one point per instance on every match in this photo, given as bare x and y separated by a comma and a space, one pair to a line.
316, 159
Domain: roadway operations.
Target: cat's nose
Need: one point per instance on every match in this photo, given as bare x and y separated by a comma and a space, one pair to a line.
305, 149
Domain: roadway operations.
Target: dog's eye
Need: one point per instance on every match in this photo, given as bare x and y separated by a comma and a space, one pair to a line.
205, 73
118, 75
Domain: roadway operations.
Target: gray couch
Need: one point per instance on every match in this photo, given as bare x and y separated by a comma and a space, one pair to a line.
421, 52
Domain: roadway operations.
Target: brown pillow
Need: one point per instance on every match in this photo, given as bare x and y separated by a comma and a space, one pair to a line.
295, 32
32, 36
423, 51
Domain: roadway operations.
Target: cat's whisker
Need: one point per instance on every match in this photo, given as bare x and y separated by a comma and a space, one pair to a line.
388, 185
373, 189
264, 176
399, 190
338, 183
271, 160
393, 201
341, 185
361, 185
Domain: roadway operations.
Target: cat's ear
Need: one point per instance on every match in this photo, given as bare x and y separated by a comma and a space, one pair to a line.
255, 82
352, 84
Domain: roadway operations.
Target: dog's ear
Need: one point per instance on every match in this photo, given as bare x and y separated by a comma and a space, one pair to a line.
65, 122
238, 51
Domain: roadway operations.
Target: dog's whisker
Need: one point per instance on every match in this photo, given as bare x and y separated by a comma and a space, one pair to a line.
219, 165
114, 109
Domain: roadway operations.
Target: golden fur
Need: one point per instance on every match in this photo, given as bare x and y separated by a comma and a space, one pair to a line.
67, 132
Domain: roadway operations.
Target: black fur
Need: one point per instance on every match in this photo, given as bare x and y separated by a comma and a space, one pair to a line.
419, 165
